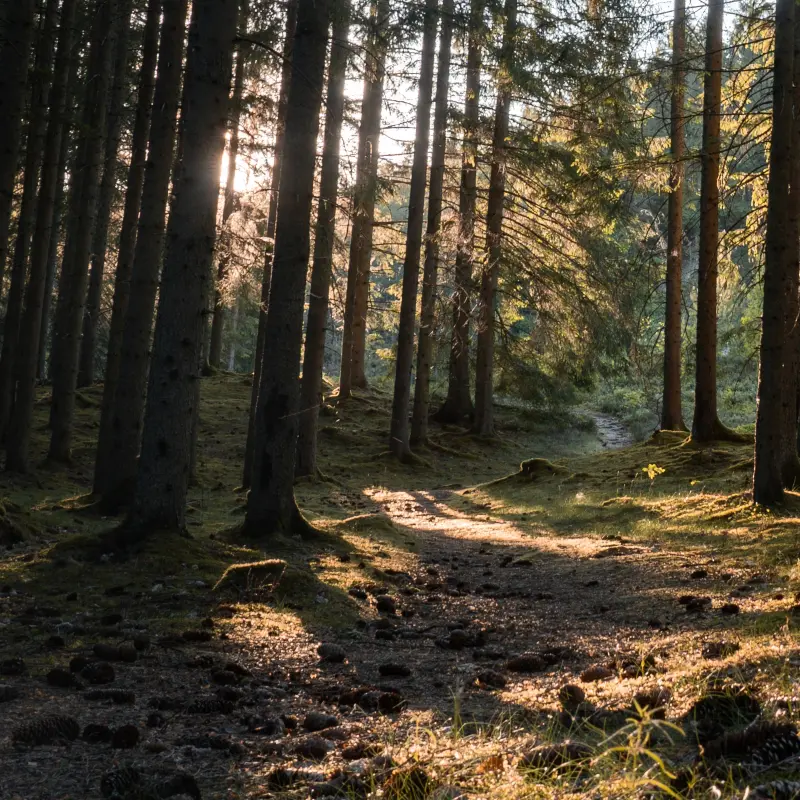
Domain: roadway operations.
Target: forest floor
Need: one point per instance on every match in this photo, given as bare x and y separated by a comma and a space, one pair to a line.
455, 600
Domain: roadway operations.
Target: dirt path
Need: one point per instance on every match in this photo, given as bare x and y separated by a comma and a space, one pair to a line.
612, 433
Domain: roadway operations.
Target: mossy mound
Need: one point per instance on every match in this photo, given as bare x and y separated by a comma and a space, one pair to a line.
16, 525
535, 468
369, 522
256, 576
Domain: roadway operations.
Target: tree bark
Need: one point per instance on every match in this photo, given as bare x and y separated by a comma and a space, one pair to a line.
671, 410
108, 185
399, 432
484, 371
104, 459
352, 373
14, 59
419, 418
163, 475
271, 505
272, 219
706, 425
74, 269
52, 179
40, 79
128, 405
458, 406
780, 250
325, 234
229, 203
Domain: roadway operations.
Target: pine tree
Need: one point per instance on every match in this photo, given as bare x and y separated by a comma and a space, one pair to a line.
780, 260
104, 459
484, 371
52, 177
324, 236
83, 207
272, 219
163, 474
18, 27
706, 425
430, 277
120, 451
458, 405
108, 184
399, 432
671, 411
271, 505
352, 374
229, 204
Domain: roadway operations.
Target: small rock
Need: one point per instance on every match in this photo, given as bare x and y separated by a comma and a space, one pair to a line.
125, 738
386, 604
319, 721
331, 653
596, 673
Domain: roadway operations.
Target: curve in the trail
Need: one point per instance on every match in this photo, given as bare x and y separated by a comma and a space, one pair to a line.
612, 433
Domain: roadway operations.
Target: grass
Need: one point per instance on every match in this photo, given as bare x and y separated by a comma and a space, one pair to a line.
664, 495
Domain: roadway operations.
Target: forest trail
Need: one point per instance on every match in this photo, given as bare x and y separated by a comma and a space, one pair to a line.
611, 431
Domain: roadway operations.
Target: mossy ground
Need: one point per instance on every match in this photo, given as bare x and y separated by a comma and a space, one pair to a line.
674, 504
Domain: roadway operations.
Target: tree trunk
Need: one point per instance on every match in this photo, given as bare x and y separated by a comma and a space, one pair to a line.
271, 505
74, 268
14, 57
234, 329
352, 374
128, 405
104, 459
791, 461
671, 411
325, 234
458, 406
419, 418
40, 79
52, 178
229, 204
706, 425
272, 218
484, 371
399, 434
163, 475
108, 186
780, 257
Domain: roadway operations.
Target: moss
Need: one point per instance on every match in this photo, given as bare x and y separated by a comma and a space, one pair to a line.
255, 576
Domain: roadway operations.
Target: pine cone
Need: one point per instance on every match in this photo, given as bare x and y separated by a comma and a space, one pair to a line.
119, 781
209, 705
47, 730
776, 790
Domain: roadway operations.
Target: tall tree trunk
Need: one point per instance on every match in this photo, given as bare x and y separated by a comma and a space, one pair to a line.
352, 373
484, 371
272, 219
59, 211
163, 475
104, 459
234, 329
40, 79
780, 257
706, 425
271, 505
671, 411
430, 277
18, 16
324, 238
458, 406
791, 460
399, 433
74, 269
128, 405
52, 177
108, 185
229, 204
